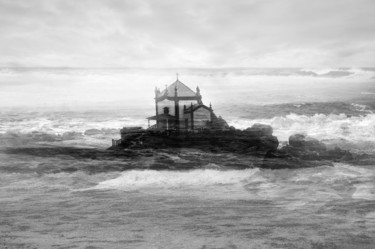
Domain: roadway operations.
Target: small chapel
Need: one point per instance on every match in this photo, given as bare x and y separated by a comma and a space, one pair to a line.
180, 108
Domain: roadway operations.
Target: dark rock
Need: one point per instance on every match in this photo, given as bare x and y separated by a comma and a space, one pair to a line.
218, 123
130, 153
300, 141
159, 166
261, 130
282, 160
341, 155
256, 144
257, 139
292, 163
269, 143
302, 152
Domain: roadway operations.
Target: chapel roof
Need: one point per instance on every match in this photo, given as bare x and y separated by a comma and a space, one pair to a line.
182, 90
195, 107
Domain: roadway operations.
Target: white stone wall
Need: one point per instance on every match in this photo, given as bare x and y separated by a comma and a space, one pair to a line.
201, 116
188, 104
166, 103
170, 104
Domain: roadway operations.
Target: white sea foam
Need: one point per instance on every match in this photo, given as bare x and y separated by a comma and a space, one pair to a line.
351, 132
81, 129
320, 126
324, 183
355, 129
364, 191
136, 179
59, 126
341, 181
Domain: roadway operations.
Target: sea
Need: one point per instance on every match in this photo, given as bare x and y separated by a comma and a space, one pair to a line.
55, 194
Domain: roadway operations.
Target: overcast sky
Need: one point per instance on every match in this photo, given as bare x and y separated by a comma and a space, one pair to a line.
189, 33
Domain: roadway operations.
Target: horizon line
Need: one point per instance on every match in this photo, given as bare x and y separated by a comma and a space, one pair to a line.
178, 68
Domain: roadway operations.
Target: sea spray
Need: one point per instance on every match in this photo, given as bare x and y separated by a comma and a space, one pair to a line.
357, 131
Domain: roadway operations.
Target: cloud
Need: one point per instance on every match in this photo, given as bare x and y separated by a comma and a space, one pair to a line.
166, 33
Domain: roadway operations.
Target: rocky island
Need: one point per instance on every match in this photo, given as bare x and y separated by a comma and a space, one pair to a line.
253, 147
185, 127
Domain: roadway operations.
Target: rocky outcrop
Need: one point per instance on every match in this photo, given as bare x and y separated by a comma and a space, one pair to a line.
302, 142
257, 143
218, 123
257, 139
303, 151
261, 130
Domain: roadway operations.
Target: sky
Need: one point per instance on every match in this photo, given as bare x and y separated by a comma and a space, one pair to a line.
187, 34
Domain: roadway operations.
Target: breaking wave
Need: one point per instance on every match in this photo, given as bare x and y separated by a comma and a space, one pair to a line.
357, 131
201, 177
81, 129
354, 132
343, 181
59, 123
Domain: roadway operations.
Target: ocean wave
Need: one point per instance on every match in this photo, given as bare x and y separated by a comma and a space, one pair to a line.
325, 183
16, 139
341, 181
334, 73
320, 126
357, 131
136, 179
307, 108
354, 132
62, 124
365, 73
90, 129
